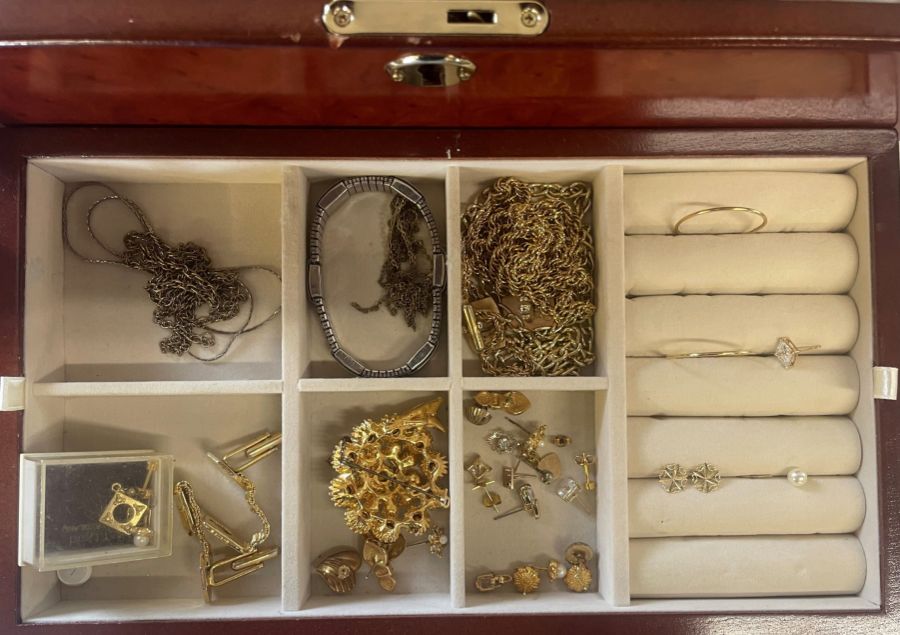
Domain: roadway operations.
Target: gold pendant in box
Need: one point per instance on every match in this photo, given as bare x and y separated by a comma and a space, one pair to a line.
134, 511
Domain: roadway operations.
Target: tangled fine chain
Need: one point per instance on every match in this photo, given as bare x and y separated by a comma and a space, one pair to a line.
529, 241
407, 287
190, 296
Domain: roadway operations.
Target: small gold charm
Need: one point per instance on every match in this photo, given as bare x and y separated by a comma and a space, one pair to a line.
579, 578
338, 569
705, 477
672, 478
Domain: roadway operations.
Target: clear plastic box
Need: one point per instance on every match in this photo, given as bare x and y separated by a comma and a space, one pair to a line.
79, 509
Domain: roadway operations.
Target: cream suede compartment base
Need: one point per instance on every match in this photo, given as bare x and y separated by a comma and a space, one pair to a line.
747, 507
744, 263
741, 446
672, 324
741, 386
747, 566
792, 201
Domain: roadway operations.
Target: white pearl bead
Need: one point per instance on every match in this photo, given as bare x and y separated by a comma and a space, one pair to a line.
443, 540
561, 573
797, 477
142, 537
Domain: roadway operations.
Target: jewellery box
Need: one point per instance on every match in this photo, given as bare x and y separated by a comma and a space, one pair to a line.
793, 124
74, 513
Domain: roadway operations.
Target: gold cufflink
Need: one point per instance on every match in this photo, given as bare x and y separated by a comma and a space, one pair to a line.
513, 402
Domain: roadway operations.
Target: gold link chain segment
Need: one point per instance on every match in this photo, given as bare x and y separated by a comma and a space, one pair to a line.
529, 241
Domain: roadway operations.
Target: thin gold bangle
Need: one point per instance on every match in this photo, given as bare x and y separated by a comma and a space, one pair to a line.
710, 210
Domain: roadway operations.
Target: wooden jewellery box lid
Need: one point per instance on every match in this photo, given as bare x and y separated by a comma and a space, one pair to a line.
621, 63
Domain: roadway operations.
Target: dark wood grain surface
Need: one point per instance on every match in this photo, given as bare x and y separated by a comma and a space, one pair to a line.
879, 145
611, 23
530, 87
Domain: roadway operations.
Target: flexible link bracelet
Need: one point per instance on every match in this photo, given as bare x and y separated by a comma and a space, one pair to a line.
329, 202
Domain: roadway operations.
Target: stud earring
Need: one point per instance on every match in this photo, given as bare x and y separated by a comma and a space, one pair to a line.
578, 578
510, 475
705, 478
436, 541
529, 504
560, 440
479, 470
527, 578
797, 477
672, 478
586, 460
570, 491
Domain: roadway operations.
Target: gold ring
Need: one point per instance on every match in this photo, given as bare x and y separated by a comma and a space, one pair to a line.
786, 352
710, 354
710, 210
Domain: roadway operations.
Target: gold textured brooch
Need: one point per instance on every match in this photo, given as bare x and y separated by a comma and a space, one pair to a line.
387, 481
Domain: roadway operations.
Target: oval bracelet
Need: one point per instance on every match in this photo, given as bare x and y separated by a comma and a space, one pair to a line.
328, 203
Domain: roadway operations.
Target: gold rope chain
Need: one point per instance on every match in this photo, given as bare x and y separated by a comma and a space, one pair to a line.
527, 269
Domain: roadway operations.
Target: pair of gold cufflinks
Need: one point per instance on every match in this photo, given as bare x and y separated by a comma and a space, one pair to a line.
527, 579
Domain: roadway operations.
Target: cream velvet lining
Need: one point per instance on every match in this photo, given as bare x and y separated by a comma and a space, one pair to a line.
748, 263
746, 566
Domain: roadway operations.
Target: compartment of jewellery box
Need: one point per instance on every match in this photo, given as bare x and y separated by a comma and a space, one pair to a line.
423, 580
186, 427
863, 415
472, 181
89, 322
488, 544
353, 249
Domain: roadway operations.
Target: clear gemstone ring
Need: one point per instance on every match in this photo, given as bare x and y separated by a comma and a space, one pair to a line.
786, 352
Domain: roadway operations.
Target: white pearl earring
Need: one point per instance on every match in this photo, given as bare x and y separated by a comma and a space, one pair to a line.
797, 477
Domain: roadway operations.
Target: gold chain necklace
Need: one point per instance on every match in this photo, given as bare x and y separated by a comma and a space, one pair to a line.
527, 272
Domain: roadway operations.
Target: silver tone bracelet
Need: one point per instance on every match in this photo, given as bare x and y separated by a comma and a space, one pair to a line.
329, 202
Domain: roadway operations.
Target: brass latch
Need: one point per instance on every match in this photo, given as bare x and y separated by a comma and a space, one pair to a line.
435, 17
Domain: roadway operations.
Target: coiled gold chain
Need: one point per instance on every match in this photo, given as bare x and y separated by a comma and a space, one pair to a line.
527, 270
